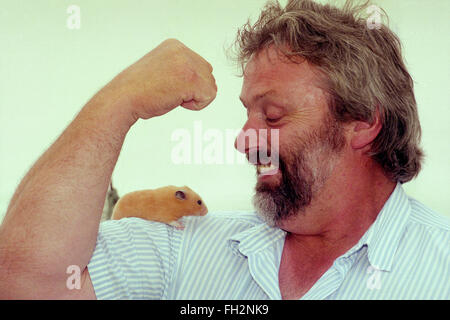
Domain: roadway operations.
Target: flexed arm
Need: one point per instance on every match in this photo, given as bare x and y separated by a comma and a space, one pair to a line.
52, 220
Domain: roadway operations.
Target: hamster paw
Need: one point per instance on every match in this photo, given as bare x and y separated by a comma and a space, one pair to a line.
178, 225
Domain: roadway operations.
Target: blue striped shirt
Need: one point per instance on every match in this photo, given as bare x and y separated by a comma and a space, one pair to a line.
403, 255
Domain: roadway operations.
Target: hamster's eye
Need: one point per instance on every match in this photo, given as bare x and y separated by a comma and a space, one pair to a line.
199, 202
180, 195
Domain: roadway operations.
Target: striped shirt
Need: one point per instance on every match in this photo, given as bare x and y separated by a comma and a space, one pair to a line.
403, 255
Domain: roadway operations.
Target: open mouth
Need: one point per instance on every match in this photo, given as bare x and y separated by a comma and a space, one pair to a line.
266, 169
263, 162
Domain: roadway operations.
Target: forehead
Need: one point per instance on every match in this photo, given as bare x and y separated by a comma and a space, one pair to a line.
270, 71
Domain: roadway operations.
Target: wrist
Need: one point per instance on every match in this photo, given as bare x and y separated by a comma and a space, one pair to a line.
112, 111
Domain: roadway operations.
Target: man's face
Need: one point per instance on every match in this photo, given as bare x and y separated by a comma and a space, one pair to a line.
279, 94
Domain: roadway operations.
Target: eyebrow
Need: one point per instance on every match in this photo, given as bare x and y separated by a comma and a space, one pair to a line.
259, 96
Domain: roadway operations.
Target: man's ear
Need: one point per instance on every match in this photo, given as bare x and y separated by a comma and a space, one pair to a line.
363, 133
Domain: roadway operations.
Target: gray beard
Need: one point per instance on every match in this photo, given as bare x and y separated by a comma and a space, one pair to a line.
304, 174
295, 192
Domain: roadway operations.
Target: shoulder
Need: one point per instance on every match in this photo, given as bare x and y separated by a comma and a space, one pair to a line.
220, 224
131, 229
215, 224
423, 257
227, 218
424, 217
427, 234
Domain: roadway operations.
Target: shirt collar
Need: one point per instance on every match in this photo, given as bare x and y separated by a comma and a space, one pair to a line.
255, 239
382, 238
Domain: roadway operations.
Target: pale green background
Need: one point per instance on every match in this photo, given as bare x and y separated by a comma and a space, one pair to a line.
48, 73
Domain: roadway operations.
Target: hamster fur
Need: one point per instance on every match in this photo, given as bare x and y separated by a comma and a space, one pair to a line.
165, 204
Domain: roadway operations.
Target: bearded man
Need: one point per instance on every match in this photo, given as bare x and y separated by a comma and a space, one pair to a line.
332, 220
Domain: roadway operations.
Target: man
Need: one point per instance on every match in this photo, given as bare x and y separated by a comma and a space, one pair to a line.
332, 219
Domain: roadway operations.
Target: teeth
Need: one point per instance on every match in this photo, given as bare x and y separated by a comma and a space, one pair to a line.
264, 168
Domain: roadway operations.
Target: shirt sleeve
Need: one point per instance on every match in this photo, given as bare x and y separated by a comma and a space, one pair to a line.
133, 259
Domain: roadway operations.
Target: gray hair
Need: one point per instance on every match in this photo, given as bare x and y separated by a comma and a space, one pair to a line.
364, 72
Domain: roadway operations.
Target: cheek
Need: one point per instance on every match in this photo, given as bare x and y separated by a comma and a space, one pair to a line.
290, 139
294, 143
289, 145
301, 124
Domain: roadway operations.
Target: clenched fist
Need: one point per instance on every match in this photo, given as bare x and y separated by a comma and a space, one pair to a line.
168, 76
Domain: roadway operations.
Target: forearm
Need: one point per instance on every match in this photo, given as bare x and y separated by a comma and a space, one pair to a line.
52, 220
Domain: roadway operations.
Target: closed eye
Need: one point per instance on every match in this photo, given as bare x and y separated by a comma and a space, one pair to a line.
273, 120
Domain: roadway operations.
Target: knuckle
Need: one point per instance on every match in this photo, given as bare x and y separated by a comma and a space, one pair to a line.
210, 67
173, 42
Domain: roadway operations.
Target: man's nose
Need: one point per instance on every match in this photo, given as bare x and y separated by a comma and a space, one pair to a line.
247, 139
253, 141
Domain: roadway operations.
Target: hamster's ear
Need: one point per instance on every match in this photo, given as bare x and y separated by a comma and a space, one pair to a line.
180, 195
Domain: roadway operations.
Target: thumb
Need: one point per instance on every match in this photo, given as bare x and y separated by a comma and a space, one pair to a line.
195, 104
191, 105
201, 99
